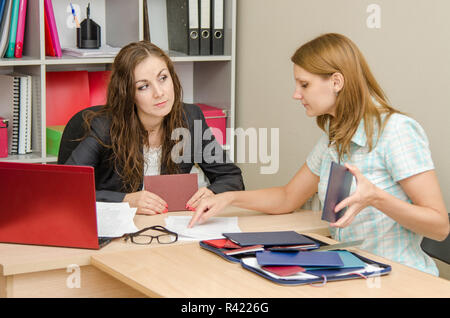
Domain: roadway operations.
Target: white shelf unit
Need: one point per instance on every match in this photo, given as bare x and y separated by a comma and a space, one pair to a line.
205, 79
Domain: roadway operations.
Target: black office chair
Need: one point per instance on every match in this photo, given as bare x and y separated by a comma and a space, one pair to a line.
72, 133
438, 250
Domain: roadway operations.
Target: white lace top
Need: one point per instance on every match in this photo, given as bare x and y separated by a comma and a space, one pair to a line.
152, 161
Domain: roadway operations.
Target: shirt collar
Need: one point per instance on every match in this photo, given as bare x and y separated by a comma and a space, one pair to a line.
360, 137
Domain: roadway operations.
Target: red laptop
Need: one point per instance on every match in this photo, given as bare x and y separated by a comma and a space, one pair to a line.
45, 204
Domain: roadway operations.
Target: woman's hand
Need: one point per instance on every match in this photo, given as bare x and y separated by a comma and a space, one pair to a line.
365, 195
147, 202
209, 207
201, 194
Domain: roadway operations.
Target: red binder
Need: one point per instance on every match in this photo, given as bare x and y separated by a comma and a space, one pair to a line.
48, 10
20, 28
49, 50
67, 93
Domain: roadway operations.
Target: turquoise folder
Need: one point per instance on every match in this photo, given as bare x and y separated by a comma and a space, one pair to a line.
13, 29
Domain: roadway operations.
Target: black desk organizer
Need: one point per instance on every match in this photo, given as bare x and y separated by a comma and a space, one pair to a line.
385, 269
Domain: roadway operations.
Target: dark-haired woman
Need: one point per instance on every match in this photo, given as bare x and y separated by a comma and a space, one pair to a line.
137, 133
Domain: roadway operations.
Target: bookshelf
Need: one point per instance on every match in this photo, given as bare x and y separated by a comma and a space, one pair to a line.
205, 79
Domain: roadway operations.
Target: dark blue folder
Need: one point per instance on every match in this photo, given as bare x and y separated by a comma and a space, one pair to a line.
339, 184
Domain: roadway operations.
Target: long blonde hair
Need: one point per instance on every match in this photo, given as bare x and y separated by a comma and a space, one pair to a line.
331, 53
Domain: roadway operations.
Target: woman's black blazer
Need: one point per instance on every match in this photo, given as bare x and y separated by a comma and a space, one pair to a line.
108, 184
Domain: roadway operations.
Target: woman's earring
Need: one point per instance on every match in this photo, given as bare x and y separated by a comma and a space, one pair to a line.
337, 93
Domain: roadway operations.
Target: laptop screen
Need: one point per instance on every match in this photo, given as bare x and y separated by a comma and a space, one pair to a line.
46, 204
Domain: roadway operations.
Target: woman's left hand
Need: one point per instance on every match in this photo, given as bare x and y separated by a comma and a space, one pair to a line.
195, 200
365, 195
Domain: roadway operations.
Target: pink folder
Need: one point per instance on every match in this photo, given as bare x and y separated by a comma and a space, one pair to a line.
175, 189
3, 138
48, 6
20, 28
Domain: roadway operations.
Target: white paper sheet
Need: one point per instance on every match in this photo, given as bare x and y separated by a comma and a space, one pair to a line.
211, 229
115, 219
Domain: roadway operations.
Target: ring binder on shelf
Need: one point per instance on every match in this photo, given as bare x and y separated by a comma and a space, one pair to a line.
194, 30
205, 27
183, 26
217, 27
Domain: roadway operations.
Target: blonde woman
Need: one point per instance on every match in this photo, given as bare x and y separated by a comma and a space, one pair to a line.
395, 198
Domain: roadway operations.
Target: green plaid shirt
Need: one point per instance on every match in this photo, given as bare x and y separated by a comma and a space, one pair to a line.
402, 151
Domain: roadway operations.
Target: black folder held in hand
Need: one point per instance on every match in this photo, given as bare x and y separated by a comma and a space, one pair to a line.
339, 184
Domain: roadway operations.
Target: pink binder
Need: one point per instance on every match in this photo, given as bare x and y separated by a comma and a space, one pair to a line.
48, 6
20, 28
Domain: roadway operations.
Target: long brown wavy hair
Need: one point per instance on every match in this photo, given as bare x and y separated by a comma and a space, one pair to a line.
331, 53
128, 135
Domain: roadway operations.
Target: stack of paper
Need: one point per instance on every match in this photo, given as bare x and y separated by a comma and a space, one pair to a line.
104, 51
115, 219
212, 229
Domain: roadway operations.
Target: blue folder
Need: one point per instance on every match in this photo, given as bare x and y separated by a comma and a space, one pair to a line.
322, 259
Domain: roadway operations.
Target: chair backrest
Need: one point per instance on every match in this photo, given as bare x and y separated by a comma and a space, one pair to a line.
438, 250
72, 134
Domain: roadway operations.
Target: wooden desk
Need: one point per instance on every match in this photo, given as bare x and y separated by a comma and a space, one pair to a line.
190, 271
40, 271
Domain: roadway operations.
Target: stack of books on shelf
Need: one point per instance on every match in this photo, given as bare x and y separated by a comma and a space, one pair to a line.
16, 96
12, 27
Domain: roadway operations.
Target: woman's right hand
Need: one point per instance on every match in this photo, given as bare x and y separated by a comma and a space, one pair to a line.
146, 202
210, 206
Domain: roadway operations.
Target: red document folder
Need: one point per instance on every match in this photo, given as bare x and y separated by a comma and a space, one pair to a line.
67, 93
175, 189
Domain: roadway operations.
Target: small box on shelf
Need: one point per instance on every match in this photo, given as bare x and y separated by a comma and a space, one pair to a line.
216, 120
